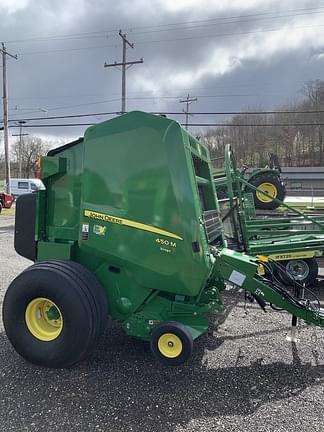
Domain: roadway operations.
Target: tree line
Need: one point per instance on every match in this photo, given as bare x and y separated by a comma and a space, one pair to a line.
32, 148
295, 143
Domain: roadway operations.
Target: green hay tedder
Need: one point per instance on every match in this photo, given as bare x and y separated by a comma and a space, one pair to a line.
128, 227
289, 236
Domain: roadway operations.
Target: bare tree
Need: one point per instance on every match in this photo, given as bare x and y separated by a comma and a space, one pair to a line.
297, 138
32, 149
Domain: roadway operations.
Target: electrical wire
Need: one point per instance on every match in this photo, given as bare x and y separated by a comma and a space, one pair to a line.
240, 21
97, 114
189, 124
150, 41
299, 11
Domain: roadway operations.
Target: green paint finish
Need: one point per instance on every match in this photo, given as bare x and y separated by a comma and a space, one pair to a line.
142, 182
134, 201
49, 250
53, 165
155, 189
255, 234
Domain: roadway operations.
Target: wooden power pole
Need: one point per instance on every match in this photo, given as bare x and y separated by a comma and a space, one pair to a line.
20, 145
125, 65
188, 101
5, 53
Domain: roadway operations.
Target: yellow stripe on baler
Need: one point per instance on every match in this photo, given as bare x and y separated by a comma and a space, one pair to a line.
133, 224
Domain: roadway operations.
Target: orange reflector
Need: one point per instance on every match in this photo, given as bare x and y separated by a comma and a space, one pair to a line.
38, 168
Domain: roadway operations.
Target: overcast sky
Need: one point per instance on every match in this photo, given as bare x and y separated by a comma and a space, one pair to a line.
230, 55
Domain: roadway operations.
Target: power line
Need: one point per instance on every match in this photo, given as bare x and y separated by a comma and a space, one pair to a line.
209, 36
176, 24
65, 95
227, 22
152, 98
71, 96
189, 124
213, 36
66, 50
96, 114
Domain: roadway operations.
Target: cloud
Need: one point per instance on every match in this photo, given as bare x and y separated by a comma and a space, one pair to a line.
207, 6
12, 6
231, 56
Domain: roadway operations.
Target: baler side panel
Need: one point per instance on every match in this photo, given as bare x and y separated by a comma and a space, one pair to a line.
63, 193
136, 172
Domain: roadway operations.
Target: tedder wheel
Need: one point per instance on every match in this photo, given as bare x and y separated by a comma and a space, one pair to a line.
271, 184
221, 192
304, 271
171, 343
54, 313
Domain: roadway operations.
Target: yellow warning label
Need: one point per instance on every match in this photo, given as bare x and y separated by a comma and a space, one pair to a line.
295, 255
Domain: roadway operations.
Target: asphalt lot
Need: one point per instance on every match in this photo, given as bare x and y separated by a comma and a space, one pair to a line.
243, 376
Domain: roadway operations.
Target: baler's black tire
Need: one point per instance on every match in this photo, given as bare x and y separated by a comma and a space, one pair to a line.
97, 291
309, 268
80, 301
0, 207
260, 181
171, 343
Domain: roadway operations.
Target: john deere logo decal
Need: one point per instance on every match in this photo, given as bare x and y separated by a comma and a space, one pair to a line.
99, 230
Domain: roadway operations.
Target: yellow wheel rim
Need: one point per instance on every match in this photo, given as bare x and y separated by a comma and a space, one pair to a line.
170, 345
270, 189
44, 319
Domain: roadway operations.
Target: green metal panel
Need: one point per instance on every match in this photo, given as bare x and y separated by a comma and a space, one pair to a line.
49, 250
63, 192
131, 203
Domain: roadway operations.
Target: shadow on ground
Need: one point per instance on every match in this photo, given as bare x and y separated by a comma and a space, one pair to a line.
121, 388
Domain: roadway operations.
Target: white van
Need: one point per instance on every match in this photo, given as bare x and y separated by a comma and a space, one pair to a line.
24, 186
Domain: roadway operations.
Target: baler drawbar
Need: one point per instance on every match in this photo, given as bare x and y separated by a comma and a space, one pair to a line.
128, 227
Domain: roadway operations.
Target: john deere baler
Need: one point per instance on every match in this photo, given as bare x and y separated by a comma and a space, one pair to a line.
127, 227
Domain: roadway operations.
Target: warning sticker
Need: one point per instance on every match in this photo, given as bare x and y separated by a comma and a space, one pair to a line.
85, 228
85, 231
237, 278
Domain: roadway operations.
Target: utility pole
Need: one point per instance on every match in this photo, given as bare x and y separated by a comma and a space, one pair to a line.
188, 101
5, 113
21, 123
125, 65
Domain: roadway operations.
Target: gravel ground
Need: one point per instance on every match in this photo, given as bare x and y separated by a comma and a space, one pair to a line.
243, 376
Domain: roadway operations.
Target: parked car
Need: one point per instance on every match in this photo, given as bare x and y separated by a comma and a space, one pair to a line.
6, 200
23, 186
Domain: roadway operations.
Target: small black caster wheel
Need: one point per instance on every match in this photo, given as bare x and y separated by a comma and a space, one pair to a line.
171, 343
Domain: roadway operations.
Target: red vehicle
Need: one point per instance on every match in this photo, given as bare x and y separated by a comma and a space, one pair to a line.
6, 200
